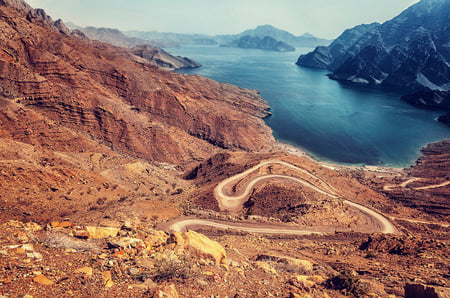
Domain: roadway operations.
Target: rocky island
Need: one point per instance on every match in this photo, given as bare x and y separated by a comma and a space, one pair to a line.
265, 43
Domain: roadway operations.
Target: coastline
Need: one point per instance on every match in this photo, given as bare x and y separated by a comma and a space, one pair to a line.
293, 150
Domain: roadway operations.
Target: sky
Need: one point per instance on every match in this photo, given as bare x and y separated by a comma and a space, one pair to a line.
322, 18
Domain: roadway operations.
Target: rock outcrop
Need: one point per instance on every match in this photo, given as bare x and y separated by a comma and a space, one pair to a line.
409, 51
201, 246
265, 43
161, 58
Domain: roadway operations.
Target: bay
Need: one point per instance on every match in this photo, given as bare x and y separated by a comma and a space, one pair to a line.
332, 121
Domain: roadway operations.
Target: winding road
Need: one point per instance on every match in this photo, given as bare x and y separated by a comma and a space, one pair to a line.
391, 187
234, 202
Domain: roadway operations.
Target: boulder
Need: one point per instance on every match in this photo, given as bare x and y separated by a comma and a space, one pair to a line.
88, 271
422, 291
168, 291
43, 280
101, 232
291, 264
156, 238
201, 246
266, 267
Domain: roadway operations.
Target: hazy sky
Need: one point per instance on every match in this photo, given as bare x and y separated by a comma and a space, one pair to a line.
323, 18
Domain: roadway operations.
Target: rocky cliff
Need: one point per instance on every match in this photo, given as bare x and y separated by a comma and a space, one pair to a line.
117, 98
265, 43
409, 51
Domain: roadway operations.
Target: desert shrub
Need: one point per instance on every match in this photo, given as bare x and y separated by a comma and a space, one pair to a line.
348, 283
170, 266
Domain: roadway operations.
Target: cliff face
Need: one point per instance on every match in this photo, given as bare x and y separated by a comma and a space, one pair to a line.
115, 97
409, 51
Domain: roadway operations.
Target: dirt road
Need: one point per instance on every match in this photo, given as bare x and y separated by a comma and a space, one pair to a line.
234, 202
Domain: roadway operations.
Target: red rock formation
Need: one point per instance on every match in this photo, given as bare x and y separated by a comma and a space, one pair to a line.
114, 97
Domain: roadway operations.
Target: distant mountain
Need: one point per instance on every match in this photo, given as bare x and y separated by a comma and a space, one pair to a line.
305, 40
411, 51
111, 36
265, 43
169, 39
139, 47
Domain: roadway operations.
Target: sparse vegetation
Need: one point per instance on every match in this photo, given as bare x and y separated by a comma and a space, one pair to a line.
348, 283
170, 266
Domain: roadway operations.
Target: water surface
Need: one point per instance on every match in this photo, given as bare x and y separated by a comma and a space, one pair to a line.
332, 121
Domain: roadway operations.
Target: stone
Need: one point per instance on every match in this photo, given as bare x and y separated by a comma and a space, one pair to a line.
88, 271
21, 236
296, 265
266, 267
62, 224
168, 291
107, 279
304, 282
157, 238
28, 247
422, 291
41, 279
201, 246
134, 271
101, 232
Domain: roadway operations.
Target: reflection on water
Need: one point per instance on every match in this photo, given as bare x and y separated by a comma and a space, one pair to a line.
332, 121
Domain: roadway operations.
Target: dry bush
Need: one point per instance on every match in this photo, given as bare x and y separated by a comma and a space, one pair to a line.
348, 283
170, 266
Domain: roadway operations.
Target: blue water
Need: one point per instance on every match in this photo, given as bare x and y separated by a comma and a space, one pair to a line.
332, 121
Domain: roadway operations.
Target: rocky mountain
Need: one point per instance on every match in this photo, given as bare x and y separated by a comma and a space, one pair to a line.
169, 39
111, 36
265, 43
305, 40
163, 59
115, 97
410, 51
142, 48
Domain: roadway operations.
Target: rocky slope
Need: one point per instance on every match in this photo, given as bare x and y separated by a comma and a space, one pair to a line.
409, 51
85, 125
265, 43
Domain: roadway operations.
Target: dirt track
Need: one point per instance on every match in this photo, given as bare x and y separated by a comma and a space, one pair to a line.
234, 202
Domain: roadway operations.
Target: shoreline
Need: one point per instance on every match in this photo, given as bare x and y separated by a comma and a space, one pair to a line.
293, 150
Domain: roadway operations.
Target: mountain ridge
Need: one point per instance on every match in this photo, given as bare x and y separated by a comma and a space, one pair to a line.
304, 40
408, 51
